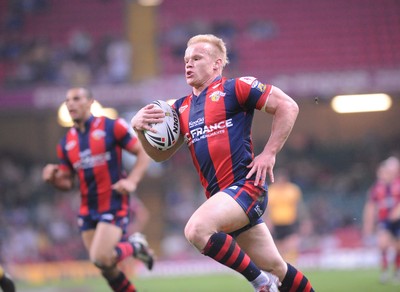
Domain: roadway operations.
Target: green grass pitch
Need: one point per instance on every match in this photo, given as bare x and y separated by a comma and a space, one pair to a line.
323, 281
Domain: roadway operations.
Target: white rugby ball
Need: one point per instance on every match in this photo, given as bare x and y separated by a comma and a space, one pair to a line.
168, 131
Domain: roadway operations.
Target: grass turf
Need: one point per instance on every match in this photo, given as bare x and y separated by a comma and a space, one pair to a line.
323, 281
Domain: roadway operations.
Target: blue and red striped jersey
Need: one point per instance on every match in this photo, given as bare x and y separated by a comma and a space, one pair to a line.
385, 197
95, 156
216, 126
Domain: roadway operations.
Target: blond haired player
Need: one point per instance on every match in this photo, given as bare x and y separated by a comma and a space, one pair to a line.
215, 121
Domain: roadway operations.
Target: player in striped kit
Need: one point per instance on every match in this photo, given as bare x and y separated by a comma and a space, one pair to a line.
382, 210
215, 121
92, 151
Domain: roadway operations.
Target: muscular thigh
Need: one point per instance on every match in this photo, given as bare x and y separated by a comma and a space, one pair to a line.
104, 239
219, 213
231, 209
87, 238
257, 242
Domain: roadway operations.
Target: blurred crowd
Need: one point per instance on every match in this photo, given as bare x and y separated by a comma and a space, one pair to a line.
29, 60
36, 61
38, 223
80, 58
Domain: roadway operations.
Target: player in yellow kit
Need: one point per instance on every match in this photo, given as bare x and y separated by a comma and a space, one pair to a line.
286, 211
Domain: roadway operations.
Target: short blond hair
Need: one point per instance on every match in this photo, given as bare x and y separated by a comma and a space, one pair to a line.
217, 42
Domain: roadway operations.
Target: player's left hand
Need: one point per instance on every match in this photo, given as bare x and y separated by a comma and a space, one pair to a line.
124, 186
262, 165
147, 116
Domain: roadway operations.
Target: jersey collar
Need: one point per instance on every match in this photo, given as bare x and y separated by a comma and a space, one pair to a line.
87, 123
218, 78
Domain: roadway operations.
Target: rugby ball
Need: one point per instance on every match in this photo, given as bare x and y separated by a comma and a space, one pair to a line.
168, 131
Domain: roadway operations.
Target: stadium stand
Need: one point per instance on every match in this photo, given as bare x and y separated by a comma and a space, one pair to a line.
327, 36
63, 27
310, 36
55, 21
266, 37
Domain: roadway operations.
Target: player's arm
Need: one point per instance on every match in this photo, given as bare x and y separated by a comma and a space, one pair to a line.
154, 153
54, 175
284, 110
142, 122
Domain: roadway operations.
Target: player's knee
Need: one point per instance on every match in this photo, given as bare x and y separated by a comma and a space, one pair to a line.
188, 232
196, 234
104, 268
108, 272
102, 262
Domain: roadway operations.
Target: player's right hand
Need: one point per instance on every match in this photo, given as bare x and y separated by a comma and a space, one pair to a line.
49, 172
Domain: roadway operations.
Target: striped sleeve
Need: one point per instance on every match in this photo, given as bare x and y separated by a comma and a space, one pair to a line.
252, 93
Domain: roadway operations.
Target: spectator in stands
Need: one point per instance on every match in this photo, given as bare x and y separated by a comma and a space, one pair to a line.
74, 73
80, 46
261, 29
382, 211
40, 61
119, 60
14, 21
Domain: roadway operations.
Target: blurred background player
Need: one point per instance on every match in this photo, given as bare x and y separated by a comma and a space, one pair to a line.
6, 283
92, 149
285, 213
382, 210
